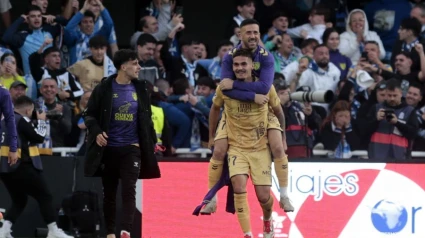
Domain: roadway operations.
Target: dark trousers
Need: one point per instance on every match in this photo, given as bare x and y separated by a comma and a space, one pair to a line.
120, 163
27, 181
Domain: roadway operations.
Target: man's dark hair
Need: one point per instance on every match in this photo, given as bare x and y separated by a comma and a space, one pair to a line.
188, 40
123, 56
243, 52
372, 42
23, 101
206, 81
146, 38
224, 43
90, 14
52, 49
418, 86
241, 3
412, 24
32, 8
393, 84
142, 23
247, 22
98, 42
319, 46
406, 54
308, 42
322, 10
180, 86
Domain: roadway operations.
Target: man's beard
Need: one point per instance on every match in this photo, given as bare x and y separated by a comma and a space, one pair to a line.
323, 64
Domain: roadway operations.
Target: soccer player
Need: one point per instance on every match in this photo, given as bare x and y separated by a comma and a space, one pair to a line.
120, 132
263, 64
245, 124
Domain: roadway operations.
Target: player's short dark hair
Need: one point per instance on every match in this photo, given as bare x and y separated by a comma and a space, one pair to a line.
123, 56
98, 42
146, 38
319, 46
90, 14
32, 8
412, 24
48, 51
180, 86
23, 101
392, 84
242, 52
247, 22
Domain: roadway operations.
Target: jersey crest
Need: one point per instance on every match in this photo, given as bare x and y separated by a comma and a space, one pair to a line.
263, 52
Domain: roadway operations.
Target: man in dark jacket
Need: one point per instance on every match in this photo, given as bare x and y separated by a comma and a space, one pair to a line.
120, 131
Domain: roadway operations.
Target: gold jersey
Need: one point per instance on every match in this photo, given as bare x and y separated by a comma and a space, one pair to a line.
246, 122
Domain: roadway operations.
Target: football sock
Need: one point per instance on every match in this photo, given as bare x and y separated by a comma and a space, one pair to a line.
215, 168
267, 209
281, 169
242, 210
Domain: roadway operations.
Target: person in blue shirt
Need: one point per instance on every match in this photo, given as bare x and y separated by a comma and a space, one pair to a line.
29, 40
77, 39
213, 65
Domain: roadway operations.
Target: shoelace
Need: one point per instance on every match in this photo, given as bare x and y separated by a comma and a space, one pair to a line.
159, 148
267, 226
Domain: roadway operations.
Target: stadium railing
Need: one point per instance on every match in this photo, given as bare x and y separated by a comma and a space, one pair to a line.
64, 151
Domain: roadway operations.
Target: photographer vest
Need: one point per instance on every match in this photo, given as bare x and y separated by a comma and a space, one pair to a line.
298, 135
387, 142
32, 150
158, 122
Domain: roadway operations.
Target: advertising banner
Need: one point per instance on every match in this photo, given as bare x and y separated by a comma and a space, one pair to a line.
347, 200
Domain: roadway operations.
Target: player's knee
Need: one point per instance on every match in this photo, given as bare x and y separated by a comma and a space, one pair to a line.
239, 186
263, 195
277, 150
219, 153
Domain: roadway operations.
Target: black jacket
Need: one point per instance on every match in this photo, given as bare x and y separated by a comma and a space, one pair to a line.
97, 118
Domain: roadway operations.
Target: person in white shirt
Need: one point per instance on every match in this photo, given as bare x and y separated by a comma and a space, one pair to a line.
357, 33
321, 74
318, 16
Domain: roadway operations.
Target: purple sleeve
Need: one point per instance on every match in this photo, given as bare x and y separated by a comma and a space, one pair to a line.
227, 67
9, 118
266, 77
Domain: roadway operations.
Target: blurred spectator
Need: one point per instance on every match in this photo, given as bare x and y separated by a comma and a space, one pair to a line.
418, 12
384, 17
302, 64
29, 41
77, 38
91, 70
342, 62
206, 88
5, 7
321, 75
393, 125
58, 114
283, 50
409, 36
213, 65
9, 72
203, 52
265, 14
339, 133
318, 17
246, 10
70, 8
292, 70
357, 34
347, 94
16, 90
146, 45
280, 23
149, 25
301, 119
77, 136
179, 122
96, 7
47, 65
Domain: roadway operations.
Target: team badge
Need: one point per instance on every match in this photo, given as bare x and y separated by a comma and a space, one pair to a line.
343, 66
134, 95
256, 65
115, 95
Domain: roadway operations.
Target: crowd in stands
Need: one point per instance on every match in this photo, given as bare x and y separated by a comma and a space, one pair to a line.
371, 58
